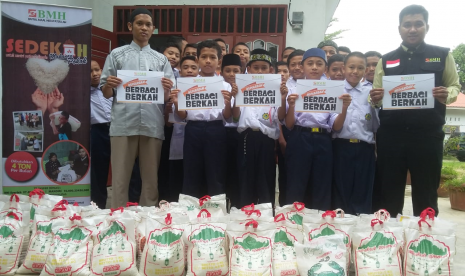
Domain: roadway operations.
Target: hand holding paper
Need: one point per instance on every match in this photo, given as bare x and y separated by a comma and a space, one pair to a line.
113, 82
227, 97
376, 95
440, 93
291, 99
346, 100
284, 90
167, 84
234, 90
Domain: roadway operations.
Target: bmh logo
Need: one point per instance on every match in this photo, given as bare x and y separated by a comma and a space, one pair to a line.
32, 13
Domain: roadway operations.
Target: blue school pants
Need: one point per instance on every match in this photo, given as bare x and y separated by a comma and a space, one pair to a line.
282, 177
309, 159
256, 168
353, 176
232, 180
204, 158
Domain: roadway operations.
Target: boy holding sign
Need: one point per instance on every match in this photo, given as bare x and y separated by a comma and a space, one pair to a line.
309, 154
230, 67
258, 128
136, 129
205, 136
354, 145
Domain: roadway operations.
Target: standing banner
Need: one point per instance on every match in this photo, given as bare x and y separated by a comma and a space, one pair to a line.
408, 91
320, 96
258, 90
46, 100
200, 93
140, 87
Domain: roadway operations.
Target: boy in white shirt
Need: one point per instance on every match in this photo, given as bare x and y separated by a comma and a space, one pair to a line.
258, 128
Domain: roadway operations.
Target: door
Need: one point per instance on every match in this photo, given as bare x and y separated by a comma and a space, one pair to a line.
103, 42
272, 43
197, 38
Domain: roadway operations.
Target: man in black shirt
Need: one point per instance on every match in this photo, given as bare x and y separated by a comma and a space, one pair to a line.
64, 132
81, 164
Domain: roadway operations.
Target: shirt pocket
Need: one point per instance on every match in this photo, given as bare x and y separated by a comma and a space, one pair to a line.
366, 120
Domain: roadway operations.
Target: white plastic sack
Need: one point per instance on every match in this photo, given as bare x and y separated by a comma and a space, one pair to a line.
71, 249
207, 242
216, 205
163, 253
114, 251
14, 235
323, 256
66, 174
250, 248
284, 256
430, 246
41, 241
295, 212
263, 211
377, 247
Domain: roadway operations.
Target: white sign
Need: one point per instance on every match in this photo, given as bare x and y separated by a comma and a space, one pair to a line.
258, 90
47, 16
140, 87
408, 91
200, 93
321, 96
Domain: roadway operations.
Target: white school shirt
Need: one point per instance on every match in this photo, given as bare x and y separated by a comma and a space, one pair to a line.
177, 142
206, 114
368, 84
311, 120
260, 117
100, 107
361, 119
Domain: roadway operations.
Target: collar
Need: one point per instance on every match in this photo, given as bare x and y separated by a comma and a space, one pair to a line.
94, 88
419, 49
349, 87
138, 48
82, 159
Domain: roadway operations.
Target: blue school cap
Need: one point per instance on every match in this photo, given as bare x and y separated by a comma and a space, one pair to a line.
315, 52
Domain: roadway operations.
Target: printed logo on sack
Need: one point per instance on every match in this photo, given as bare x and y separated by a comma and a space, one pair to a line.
432, 254
327, 229
46, 16
68, 241
294, 217
209, 243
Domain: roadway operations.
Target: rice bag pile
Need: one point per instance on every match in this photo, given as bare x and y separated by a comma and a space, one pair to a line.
295, 212
214, 204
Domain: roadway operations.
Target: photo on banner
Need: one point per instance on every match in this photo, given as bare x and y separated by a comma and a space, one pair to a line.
46, 89
321, 96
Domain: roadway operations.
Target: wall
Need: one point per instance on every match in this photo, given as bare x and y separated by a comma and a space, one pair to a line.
317, 14
455, 117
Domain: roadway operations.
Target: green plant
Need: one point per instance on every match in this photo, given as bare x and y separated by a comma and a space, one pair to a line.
456, 184
448, 171
451, 144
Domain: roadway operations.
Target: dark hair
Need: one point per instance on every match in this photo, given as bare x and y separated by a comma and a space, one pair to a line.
296, 53
413, 9
373, 54
138, 11
168, 45
280, 63
176, 39
355, 54
240, 43
65, 114
334, 58
190, 45
344, 49
219, 40
187, 58
51, 155
209, 44
285, 49
328, 43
